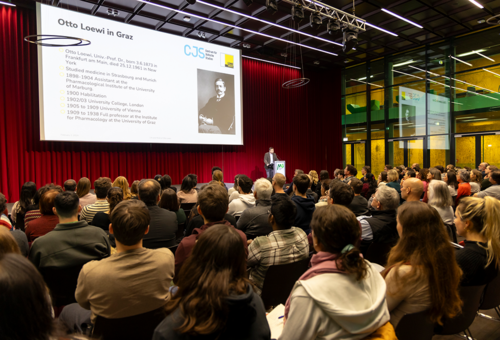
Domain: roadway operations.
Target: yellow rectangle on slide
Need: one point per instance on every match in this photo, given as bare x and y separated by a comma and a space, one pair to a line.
226, 60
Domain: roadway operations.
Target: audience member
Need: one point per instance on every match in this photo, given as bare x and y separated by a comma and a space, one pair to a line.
340, 193
478, 220
234, 190
388, 167
422, 175
21, 240
366, 170
339, 174
163, 225
486, 183
83, 192
215, 277
48, 221
482, 167
279, 181
422, 273
70, 185
440, 168
220, 177
102, 219
72, 243
134, 190
19, 209
432, 174
254, 221
166, 183
412, 189
141, 275
476, 177
323, 176
212, 206
245, 199
305, 205
369, 185
4, 218
121, 182
285, 244
8, 243
393, 181
289, 190
339, 285
451, 180
188, 192
349, 173
314, 180
494, 189
359, 204
101, 188
463, 177
440, 199
169, 202
414, 165
382, 179
34, 210
310, 192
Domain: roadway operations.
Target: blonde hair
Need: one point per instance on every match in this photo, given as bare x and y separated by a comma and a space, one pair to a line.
121, 182
83, 187
484, 214
280, 180
314, 176
392, 175
217, 176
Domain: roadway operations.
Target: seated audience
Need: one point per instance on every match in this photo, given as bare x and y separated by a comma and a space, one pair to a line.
450, 167
285, 244
141, 275
463, 177
310, 192
366, 170
382, 179
19, 209
485, 184
305, 205
215, 277
102, 219
166, 183
482, 168
325, 187
422, 273
197, 220
323, 176
219, 176
338, 174
48, 221
169, 202
393, 180
72, 243
134, 190
212, 206
359, 204
13, 241
412, 189
478, 221
494, 189
350, 172
101, 188
279, 181
83, 192
188, 192
339, 286
254, 221
369, 185
4, 218
289, 190
34, 210
245, 199
121, 182
163, 225
440, 168
234, 189
476, 177
440, 199
388, 167
314, 180
70, 185
450, 178
340, 193
432, 174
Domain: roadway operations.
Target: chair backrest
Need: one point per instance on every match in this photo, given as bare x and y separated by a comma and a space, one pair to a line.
378, 253
173, 248
471, 297
416, 326
61, 283
180, 230
452, 232
491, 296
279, 282
137, 327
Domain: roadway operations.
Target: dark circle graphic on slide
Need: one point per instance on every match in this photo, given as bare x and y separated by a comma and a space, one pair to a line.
38, 39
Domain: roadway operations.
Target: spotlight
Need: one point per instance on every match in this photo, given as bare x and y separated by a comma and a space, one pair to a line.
333, 27
191, 2
248, 2
315, 20
297, 13
272, 6
350, 38
316, 62
186, 18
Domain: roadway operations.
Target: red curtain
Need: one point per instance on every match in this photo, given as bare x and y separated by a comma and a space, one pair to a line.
303, 125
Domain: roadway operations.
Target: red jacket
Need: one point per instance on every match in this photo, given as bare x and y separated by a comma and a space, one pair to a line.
41, 226
463, 190
187, 244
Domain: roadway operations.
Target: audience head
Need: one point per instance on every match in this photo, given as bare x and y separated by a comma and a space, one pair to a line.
217, 176
134, 189
386, 198
149, 192
450, 167
70, 185
338, 173
314, 176
39, 193
65, 205
424, 241
356, 185
263, 189
463, 176
115, 196
28, 191
439, 194
279, 180
215, 168
476, 176
121, 182
495, 177
3, 203
283, 212
451, 179
323, 174
169, 200
165, 182
244, 184
298, 172
434, 174
482, 166
335, 230
48, 198
366, 169
350, 170
423, 174
301, 183
189, 183
157, 178
83, 187
490, 168
440, 168
410, 174
383, 176
340, 193
213, 203
388, 167
412, 189
392, 175
416, 168
8, 243
101, 187
325, 186
130, 221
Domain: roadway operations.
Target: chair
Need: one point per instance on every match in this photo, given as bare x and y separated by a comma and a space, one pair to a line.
187, 207
173, 248
452, 232
471, 297
61, 283
491, 298
415, 326
378, 253
236, 218
279, 282
180, 230
137, 327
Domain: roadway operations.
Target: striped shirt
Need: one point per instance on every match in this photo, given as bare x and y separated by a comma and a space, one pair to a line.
89, 211
30, 216
279, 247
4, 221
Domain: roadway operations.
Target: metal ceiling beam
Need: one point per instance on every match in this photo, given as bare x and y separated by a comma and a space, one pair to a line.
443, 13
137, 9
211, 15
96, 7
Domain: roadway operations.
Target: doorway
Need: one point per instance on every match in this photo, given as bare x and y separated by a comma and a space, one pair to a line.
406, 151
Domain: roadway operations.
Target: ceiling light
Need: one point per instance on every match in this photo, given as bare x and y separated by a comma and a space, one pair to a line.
350, 38
475, 120
481, 21
476, 3
489, 145
237, 27
186, 18
364, 129
466, 63
297, 13
482, 55
465, 117
380, 29
315, 20
364, 82
333, 27
498, 75
469, 53
7, 4
271, 62
407, 74
400, 17
245, 45
404, 63
457, 104
272, 6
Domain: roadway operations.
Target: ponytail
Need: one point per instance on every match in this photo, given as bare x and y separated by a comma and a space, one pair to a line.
353, 263
491, 229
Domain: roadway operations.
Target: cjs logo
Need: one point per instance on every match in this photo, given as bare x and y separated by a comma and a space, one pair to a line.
194, 51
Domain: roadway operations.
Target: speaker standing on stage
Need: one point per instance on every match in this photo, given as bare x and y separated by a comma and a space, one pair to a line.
269, 159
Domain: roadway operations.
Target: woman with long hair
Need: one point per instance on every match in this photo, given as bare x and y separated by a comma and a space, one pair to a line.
476, 178
369, 185
215, 300
382, 178
217, 178
83, 192
432, 174
340, 286
134, 190
166, 183
19, 209
451, 180
478, 220
315, 179
169, 202
188, 193
440, 199
121, 182
464, 188
422, 273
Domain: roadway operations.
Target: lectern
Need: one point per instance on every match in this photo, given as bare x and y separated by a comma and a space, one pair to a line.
279, 167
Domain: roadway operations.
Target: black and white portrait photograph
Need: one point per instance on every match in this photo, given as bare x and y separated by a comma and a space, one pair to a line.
216, 112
